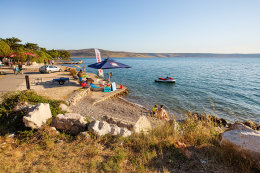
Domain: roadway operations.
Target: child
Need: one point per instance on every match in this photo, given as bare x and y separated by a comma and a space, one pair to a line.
155, 108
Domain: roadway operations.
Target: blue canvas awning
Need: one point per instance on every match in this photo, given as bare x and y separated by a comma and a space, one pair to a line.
108, 64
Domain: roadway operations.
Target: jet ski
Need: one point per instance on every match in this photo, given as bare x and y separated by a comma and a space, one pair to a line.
166, 80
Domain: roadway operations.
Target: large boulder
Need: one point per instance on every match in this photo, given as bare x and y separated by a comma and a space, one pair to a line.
70, 122
37, 116
142, 125
243, 139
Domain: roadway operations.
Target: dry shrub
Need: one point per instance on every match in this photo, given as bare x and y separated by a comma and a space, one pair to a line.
197, 132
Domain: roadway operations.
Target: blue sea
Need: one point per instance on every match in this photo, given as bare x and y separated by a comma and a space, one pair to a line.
226, 87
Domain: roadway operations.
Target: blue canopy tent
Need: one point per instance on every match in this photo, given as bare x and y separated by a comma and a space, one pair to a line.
108, 63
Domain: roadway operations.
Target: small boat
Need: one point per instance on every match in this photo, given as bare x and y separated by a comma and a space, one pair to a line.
166, 80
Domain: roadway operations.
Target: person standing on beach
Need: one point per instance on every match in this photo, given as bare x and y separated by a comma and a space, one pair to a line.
52, 61
20, 67
80, 75
162, 114
14, 68
45, 62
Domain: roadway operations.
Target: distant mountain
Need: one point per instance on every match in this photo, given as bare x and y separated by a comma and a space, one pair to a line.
82, 53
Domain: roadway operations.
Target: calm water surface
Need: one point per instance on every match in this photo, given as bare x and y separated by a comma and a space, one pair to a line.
227, 87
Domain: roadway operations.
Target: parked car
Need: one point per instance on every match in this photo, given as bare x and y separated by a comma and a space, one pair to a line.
49, 69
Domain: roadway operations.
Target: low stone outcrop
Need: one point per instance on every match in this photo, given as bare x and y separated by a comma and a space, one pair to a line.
37, 116
115, 130
63, 107
77, 95
244, 140
101, 128
142, 125
119, 123
23, 106
125, 132
70, 122
84, 135
218, 121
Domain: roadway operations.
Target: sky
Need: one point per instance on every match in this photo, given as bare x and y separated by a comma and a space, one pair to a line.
159, 26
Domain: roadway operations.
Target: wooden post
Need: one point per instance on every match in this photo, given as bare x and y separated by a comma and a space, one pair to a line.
27, 82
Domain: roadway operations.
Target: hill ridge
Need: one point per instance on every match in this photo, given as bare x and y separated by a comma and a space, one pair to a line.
82, 53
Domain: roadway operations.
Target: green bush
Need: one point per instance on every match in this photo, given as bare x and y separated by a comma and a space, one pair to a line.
10, 120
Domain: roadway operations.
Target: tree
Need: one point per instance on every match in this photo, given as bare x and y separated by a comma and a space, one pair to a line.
64, 54
32, 46
20, 54
14, 43
42, 55
43, 49
53, 53
4, 49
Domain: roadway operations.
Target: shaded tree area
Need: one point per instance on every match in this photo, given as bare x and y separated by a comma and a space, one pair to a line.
12, 47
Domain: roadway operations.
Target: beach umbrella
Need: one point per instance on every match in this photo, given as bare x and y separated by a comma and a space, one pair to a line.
30, 54
108, 64
13, 55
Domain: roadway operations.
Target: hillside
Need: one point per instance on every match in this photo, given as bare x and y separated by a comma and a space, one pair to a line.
81, 53
105, 53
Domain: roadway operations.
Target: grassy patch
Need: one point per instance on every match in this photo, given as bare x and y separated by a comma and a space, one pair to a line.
10, 120
113, 163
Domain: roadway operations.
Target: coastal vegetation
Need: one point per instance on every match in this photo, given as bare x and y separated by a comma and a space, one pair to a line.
190, 146
11, 118
12, 47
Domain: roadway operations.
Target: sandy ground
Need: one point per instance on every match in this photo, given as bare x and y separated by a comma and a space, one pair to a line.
41, 83
115, 108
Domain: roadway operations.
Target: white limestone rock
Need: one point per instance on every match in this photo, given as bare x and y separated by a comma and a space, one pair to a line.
142, 125
99, 128
70, 122
115, 130
244, 140
63, 107
54, 130
125, 132
37, 116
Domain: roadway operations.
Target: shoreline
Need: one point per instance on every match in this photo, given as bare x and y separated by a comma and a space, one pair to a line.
56, 90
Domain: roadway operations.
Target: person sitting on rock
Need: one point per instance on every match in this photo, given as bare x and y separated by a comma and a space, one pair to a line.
154, 111
162, 114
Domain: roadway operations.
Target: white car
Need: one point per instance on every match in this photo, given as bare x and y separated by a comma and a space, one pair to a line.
49, 69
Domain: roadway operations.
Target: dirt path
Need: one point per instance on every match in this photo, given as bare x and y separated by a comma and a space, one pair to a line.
10, 81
